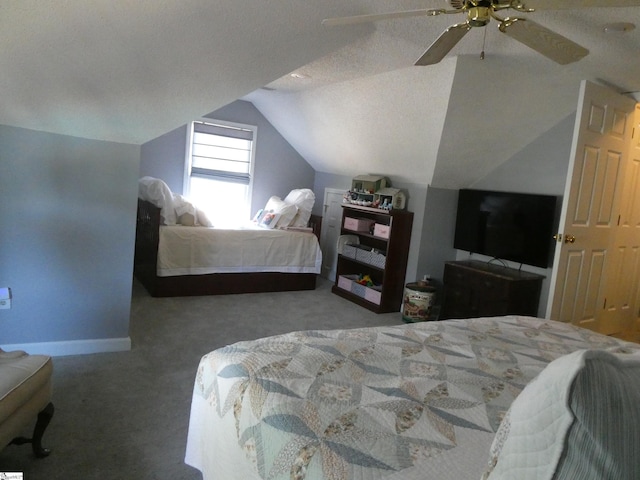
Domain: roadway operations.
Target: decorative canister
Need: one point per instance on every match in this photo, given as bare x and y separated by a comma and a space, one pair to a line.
419, 298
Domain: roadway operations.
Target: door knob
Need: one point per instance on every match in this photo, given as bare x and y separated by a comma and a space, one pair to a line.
569, 239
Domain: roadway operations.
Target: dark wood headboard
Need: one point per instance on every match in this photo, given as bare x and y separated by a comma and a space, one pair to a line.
315, 222
147, 234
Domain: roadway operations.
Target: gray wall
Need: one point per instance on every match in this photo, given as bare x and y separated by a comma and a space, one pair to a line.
541, 167
437, 232
278, 167
67, 226
163, 157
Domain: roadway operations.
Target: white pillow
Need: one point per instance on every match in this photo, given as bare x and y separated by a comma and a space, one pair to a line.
188, 214
258, 216
157, 192
304, 199
286, 211
269, 220
185, 210
174, 208
578, 419
203, 218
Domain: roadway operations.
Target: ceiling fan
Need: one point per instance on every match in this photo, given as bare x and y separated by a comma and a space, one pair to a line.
479, 13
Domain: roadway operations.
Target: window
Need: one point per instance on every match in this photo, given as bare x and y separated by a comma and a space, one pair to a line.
219, 170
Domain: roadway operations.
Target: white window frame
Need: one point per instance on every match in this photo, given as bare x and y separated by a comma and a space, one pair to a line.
189, 152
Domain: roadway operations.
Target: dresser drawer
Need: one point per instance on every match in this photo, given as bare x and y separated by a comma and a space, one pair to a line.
476, 289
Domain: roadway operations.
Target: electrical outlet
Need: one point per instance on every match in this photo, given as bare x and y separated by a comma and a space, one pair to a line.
5, 298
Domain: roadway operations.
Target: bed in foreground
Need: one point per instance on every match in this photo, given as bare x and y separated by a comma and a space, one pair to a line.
417, 401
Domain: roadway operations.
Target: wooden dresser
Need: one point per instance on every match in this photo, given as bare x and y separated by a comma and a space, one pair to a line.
479, 289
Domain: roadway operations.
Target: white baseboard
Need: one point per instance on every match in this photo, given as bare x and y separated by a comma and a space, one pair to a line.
73, 347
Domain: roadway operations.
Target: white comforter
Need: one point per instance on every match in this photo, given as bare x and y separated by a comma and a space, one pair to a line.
200, 250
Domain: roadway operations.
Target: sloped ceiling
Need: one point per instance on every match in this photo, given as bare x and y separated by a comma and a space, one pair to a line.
131, 71
388, 124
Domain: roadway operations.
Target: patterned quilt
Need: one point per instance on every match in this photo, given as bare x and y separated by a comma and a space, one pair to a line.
409, 401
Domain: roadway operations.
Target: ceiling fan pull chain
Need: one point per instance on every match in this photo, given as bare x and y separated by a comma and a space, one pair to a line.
484, 41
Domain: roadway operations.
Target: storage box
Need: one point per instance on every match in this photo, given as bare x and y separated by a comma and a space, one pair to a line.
370, 256
363, 254
358, 289
349, 250
358, 224
344, 283
378, 259
381, 230
373, 294
348, 283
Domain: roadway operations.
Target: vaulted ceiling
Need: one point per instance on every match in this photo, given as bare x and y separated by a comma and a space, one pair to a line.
131, 71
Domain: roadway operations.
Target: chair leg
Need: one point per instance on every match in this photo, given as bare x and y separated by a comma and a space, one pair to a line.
44, 417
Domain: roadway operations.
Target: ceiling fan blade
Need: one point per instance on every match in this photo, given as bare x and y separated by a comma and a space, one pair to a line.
550, 44
337, 21
443, 44
572, 4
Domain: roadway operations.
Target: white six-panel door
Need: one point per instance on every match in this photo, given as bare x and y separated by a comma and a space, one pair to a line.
620, 303
588, 261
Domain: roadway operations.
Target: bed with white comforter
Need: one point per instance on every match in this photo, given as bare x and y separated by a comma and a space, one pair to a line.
201, 250
179, 252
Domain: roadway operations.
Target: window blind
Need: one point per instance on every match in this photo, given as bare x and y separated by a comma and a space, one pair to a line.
222, 152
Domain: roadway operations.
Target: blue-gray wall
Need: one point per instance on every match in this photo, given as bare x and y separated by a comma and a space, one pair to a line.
278, 168
163, 158
67, 228
540, 167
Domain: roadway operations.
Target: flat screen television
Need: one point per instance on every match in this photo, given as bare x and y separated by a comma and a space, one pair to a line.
508, 226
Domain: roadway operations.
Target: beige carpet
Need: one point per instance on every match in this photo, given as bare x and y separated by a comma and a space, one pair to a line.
124, 416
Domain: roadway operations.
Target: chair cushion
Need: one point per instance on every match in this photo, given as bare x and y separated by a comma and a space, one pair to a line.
21, 377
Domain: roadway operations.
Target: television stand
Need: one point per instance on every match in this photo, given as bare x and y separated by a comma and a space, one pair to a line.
479, 289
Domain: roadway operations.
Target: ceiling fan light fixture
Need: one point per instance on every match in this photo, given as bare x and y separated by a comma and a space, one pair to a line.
478, 16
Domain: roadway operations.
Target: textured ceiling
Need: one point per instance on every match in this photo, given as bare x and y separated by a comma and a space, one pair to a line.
366, 109
130, 71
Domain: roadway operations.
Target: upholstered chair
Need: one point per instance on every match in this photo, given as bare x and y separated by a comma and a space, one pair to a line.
25, 394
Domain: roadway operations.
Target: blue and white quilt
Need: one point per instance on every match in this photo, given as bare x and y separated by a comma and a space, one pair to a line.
410, 401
